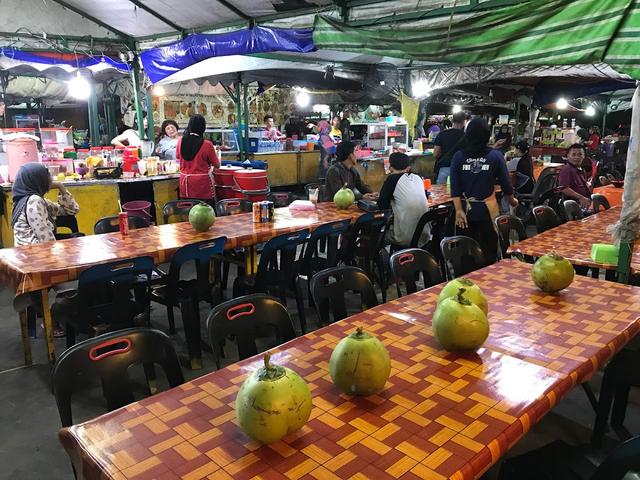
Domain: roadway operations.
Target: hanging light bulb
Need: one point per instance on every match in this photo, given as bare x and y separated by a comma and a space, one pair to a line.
562, 103
303, 99
590, 111
457, 108
158, 91
421, 89
79, 87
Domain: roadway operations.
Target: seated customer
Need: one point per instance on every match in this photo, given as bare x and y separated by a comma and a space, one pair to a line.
522, 166
344, 172
572, 179
403, 192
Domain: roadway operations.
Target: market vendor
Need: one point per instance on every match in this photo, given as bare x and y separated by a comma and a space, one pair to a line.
270, 130
344, 172
130, 135
474, 171
167, 141
572, 178
196, 156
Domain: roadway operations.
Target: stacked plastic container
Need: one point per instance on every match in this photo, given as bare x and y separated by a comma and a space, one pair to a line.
250, 184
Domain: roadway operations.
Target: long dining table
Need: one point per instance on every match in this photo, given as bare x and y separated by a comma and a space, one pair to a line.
441, 415
31, 270
573, 241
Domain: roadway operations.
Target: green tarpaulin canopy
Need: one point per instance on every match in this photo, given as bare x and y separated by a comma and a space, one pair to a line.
560, 32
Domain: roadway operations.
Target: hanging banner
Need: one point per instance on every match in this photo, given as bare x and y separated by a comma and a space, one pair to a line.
161, 62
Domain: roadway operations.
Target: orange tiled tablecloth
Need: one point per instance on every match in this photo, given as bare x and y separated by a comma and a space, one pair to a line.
441, 194
573, 240
442, 415
35, 267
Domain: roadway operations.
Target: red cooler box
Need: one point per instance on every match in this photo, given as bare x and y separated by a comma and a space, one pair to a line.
250, 179
223, 176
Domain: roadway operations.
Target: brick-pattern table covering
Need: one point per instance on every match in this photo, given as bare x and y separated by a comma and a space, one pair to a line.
35, 267
573, 240
441, 415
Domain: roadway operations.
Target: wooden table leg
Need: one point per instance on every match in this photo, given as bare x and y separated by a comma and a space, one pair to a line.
48, 325
251, 260
26, 343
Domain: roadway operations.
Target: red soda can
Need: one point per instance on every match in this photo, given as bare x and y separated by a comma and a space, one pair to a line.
123, 220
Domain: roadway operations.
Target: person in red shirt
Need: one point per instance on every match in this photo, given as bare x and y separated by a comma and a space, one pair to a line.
594, 138
196, 156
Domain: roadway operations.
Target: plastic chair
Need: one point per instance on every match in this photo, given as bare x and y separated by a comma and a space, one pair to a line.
103, 301
560, 461
178, 210
278, 269
506, 225
546, 218
112, 224
233, 206
321, 191
328, 289
364, 246
545, 190
246, 318
441, 220
406, 266
599, 201
69, 222
572, 210
280, 199
108, 358
619, 376
329, 236
462, 255
187, 294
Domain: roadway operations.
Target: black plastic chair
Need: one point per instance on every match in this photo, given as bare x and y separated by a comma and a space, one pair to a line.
572, 210
620, 375
364, 247
112, 224
280, 199
328, 237
103, 300
173, 291
233, 206
328, 289
406, 266
178, 210
462, 255
278, 269
321, 191
246, 318
599, 201
560, 461
108, 358
508, 225
69, 222
544, 190
546, 218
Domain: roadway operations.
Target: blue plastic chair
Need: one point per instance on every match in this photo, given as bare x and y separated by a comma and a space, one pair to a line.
187, 294
103, 300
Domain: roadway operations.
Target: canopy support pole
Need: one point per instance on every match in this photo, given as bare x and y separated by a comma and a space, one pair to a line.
150, 126
245, 116
135, 79
604, 117
238, 101
94, 122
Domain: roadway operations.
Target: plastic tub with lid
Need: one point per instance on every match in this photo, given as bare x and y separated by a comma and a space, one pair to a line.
224, 175
82, 154
19, 152
250, 179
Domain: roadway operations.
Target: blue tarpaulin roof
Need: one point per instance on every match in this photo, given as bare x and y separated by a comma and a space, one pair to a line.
162, 62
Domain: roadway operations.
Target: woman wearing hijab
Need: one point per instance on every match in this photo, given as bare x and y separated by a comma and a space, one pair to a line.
196, 156
522, 167
34, 216
327, 147
474, 171
167, 140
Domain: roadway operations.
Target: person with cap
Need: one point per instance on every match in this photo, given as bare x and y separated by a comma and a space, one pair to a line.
521, 165
34, 217
343, 172
474, 171
403, 192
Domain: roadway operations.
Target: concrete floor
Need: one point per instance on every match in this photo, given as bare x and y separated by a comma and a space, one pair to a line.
29, 419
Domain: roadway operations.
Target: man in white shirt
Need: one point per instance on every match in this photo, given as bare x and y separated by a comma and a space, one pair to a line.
404, 193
